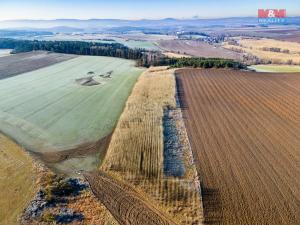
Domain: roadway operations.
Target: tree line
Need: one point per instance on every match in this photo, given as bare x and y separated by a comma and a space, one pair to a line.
143, 58
72, 47
207, 63
156, 59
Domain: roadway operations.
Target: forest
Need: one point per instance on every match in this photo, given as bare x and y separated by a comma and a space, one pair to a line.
143, 57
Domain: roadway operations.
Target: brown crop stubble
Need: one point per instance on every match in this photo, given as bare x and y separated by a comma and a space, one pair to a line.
197, 49
129, 207
136, 151
244, 130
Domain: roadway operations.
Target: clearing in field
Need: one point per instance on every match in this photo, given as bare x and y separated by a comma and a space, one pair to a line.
17, 180
244, 132
47, 110
148, 45
268, 50
149, 151
176, 55
25, 62
276, 68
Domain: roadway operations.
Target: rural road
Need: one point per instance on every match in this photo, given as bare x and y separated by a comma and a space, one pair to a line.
126, 205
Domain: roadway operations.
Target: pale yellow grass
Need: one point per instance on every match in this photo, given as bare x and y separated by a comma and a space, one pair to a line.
140, 126
17, 180
276, 68
176, 55
293, 47
135, 153
254, 47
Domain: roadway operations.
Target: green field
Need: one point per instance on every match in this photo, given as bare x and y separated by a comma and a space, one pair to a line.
47, 110
148, 45
276, 68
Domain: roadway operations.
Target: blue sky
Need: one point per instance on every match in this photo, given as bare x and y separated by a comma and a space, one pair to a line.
138, 9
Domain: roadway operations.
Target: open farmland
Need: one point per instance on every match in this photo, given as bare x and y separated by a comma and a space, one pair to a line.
140, 44
291, 35
149, 151
148, 45
268, 50
294, 37
17, 180
132, 41
276, 68
70, 105
244, 130
26, 62
197, 48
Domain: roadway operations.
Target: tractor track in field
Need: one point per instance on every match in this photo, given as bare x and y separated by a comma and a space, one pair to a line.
125, 204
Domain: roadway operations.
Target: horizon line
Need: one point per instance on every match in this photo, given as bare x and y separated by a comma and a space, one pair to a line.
139, 19
163, 18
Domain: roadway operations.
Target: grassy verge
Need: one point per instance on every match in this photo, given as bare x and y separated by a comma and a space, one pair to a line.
18, 176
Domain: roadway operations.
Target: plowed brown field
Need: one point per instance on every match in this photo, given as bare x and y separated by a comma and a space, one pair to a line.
244, 129
197, 48
29, 61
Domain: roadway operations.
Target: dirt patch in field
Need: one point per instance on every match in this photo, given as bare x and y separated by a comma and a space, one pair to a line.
244, 133
25, 62
81, 151
87, 81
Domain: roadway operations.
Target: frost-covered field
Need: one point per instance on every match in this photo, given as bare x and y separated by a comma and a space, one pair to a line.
47, 110
148, 45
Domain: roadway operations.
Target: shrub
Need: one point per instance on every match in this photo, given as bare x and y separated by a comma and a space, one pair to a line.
48, 217
56, 186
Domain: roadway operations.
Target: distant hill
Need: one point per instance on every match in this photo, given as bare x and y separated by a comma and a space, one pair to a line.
75, 25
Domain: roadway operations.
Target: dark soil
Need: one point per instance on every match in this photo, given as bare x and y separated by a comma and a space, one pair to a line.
87, 81
25, 62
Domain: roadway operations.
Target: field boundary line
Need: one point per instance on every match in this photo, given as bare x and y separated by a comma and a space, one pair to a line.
190, 151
